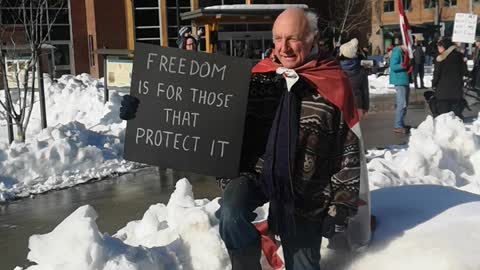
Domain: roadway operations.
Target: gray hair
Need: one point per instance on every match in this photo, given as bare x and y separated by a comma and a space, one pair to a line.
312, 21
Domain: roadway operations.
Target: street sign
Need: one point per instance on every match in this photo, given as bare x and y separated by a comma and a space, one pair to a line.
464, 28
192, 110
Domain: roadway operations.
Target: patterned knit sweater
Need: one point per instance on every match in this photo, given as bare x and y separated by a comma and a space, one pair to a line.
327, 167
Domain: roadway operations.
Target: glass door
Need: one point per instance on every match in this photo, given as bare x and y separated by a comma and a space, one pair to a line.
251, 45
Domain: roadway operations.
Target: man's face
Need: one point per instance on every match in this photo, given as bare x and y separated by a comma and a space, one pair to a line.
477, 44
291, 38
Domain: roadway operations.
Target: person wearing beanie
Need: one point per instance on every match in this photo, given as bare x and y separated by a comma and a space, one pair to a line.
349, 49
357, 75
183, 33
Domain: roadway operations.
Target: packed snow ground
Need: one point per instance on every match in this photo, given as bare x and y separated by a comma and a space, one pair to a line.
434, 225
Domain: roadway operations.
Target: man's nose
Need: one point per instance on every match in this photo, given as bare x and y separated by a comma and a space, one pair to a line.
284, 45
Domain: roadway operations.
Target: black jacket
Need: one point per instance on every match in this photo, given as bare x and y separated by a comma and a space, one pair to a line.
418, 55
327, 165
448, 74
359, 81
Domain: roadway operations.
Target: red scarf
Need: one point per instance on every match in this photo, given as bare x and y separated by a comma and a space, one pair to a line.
327, 77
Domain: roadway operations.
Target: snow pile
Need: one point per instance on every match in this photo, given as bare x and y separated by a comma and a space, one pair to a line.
442, 151
380, 85
182, 235
92, 249
84, 140
432, 226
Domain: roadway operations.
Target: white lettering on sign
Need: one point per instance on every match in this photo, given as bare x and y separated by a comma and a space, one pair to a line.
176, 65
210, 98
161, 138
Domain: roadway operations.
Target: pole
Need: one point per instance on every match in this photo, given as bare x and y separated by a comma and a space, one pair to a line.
41, 91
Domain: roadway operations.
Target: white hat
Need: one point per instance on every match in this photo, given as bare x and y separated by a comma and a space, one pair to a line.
183, 31
349, 49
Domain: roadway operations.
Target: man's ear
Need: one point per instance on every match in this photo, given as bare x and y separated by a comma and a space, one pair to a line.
316, 39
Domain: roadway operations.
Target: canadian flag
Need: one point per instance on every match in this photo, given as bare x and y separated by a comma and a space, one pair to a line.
405, 28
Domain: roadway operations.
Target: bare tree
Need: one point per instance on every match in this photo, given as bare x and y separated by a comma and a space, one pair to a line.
26, 32
344, 17
377, 9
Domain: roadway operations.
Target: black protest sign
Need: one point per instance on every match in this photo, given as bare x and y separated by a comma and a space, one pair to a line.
192, 110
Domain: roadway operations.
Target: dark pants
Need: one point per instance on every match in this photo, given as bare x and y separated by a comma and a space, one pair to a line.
418, 69
450, 105
240, 198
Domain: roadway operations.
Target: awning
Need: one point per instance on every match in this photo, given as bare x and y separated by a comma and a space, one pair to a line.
238, 13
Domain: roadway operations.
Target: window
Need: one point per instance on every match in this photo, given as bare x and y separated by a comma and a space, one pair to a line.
407, 5
388, 6
450, 3
429, 4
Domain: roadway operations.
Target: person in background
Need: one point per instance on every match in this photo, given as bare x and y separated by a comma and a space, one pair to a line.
387, 57
357, 75
184, 32
448, 78
475, 74
399, 78
418, 64
189, 43
431, 51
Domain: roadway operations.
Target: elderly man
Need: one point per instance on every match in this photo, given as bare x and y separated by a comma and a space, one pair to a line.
300, 152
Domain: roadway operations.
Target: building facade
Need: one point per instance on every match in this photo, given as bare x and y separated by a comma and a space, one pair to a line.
427, 17
85, 27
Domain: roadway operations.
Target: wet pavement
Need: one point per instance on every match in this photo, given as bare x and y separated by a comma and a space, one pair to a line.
127, 197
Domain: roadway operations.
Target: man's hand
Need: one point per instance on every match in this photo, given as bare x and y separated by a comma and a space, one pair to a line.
129, 107
335, 221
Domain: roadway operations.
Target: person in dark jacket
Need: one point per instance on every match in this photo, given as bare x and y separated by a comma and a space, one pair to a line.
448, 78
418, 65
357, 75
475, 74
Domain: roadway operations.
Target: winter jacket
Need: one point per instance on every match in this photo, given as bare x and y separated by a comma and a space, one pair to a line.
327, 166
448, 74
475, 74
398, 74
418, 55
359, 81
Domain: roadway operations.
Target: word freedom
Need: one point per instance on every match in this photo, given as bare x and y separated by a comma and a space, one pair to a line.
179, 65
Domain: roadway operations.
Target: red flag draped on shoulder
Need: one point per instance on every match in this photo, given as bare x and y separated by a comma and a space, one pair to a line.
405, 28
326, 76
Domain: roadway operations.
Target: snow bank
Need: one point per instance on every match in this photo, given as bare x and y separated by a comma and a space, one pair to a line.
423, 227
182, 235
84, 140
442, 151
380, 85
